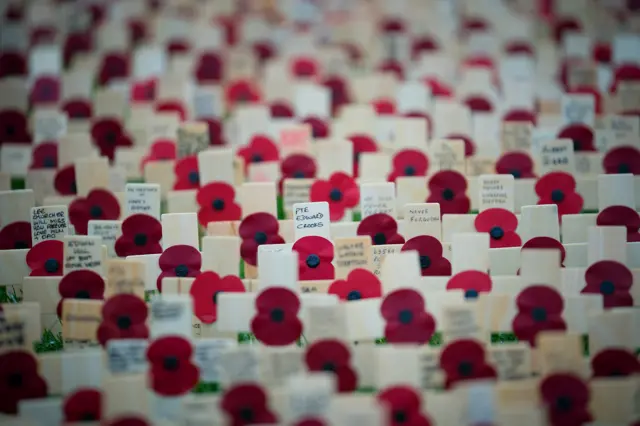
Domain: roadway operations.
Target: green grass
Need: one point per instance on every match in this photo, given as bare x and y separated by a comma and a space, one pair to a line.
8, 294
50, 342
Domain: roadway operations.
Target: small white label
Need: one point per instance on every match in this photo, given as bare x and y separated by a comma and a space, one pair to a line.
206, 356
49, 223
312, 219
143, 198
378, 198
127, 356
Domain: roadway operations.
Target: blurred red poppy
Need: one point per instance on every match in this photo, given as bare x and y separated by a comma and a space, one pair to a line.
464, 360
581, 135
546, 243
382, 228
281, 109
83, 405
259, 149
19, 380
621, 216
392, 25
478, 104
264, 51
12, 64
137, 31
423, 44
230, 26
215, 131
615, 362
469, 145
359, 284
501, 226
331, 355
129, 421
470, 25
612, 280
392, 66
209, 68
340, 191
187, 174
407, 320
205, 290
160, 150
319, 127
518, 164
78, 109
246, 404
13, 127
404, 406
339, 91
315, 255
624, 73
472, 282
80, 284
114, 66
45, 90
361, 143
297, 166
623, 159
520, 115
430, 251
384, 106
304, 67
107, 135
563, 26
408, 162
42, 34
141, 234
241, 91
74, 44
45, 156
99, 204
566, 398
438, 87
172, 106
65, 181
171, 371
179, 261
601, 52
45, 259
520, 48
276, 322
143, 91
310, 422
559, 188
449, 189
539, 309
217, 203
124, 316
15, 236
178, 46
255, 230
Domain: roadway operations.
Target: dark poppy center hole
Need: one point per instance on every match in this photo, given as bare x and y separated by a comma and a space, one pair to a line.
20, 245
218, 204
624, 168
88, 417
73, 188
260, 237
328, 366
539, 314
256, 158
298, 174
140, 240
51, 266
607, 288
448, 194
496, 233
215, 297
425, 262
471, 294
517, 174
400, 416
194, 177
124, 322
564, 404
170, 363
246, 414
379, 239
49, 162
313, 261
465, 369
277, 315
354, 295
405, 316
83, 294
14, 380
409, 171
557, 195
335, 195
577, 145
9, 130
95, 211
181, 271
110, 138
616, 373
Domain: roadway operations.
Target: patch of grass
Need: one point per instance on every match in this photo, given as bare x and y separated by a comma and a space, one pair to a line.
241, 274
8, 294
499, 338
50, 342
206, 387
18, 183
246, 338
436, 339
148, 295
356, 216
381, 341
280, 206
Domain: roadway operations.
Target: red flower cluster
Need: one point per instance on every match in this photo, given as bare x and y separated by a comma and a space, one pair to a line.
205, 290
240, 92
448, 188
566, 398
123, 317
315, 255
246, 404
255, 230
340, 191
45, 259
360, 284
404, 406
472, 282
99, 204
382, 228
463, 360
621, 216
141, 234
409, 162
80, 284
432, 262
16, 236
217, 201
19, 380
276, 322
611, 279
615, 362
539, 309
83, 405
333, 356
171, 371
407, 320
559, 188
518, 164
179, 261
501, 225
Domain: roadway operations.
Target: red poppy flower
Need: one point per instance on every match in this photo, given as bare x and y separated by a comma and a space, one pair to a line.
472, 282
297, 166
340, 191
469, 145
259, 149
615, 362
97, 12
407, 320
448, 188
12, 64
546, 243
178, 46
15, 236
429, 248
281, 110
392, 25
45, 156
339, 92
439, 89
566, 398
114, 66
361, 143
137, 30
519, 48
246, 404
65, 181
331, 355
187, 174
382, 228
612, 280
518, 164
99, 204
581, 135
559, 188
360, 284
215, 131
621, 216
42, 34
520, 115
315, 255
276, 322
217, 203
423, 44
129, 421
45, 259
475, 24
180, 260
539, 309
78, 109
172, 372
623, 159
76, 43
205, 290
404, 406
310, 422
319, 128
123, 317
141, 234
304, 67
624, 73
464, 360
409, 162
209, 68
172, 106
13, 127
478, 104
45, 90
143, 90
255, 230
108, 134
241, 91
229, 25
392, 66
384, 107
501, 226
80, 284
19, 380
264, 50
83, 405
565, 25
161, 150
601, 53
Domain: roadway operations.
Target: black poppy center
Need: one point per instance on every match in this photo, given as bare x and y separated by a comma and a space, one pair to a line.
256, 158
246, 414
516, 174
607, 288
448, 194
400, 416
299, 174
379, 239
328, 366
95, 211
218, 204
557, 195
49, 162
577, 145
88, 417
140, 240
20, 245
313, 261
616, 373
181, 271
124, 322
170, 363
465, 369
539, 314
354, 295
471, 294
110, 138
409, 171
425, 262
9, 130
260, 237
51, 266
496, 233
624, 168
405, 316
194, 177
14, 380
564, 404
335, 195
277, 315
73, 187
215, 297
83, 294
